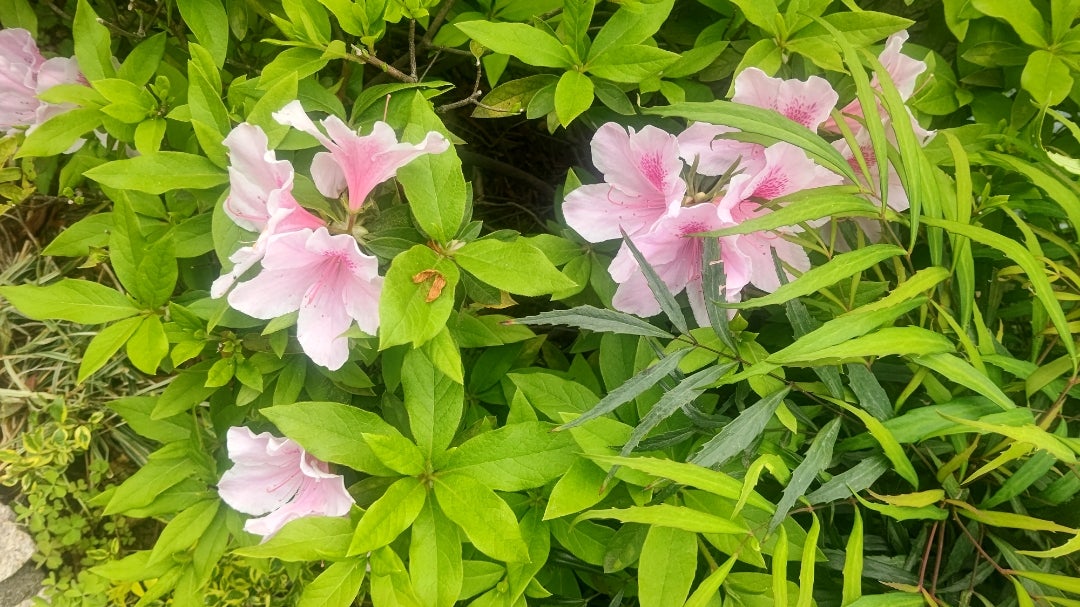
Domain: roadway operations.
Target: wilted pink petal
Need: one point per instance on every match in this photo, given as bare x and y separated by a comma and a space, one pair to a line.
641, 183
807, 102
356, 162
275, 477
260, 199
700, 143
24, 74
327, 279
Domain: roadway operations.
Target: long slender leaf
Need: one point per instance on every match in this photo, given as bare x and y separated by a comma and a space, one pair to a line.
868, 390
807, 208
838, 268
663, 294
665, 515
683, 393
631, 388
1035, 270
856, 479
853, 562
596, 319
960, 372
806, 564
817, 459
740, 433
712, 281
888, 443
762, 122
841, 329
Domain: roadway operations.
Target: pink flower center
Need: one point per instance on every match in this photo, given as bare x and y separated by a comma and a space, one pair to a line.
652, 167
692, 227
773, 186
338, 259
799, 112
867, 152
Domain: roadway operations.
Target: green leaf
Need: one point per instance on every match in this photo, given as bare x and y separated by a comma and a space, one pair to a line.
630, 63
484, 517
529, 44
184, 530
433, 183
806, 564
596, 319
515, 457
18, 13
843, 266
761, 121
139, 66
631, 388
853, 562
684, 393
311, 538
164, 468
1061, 582
818, 457
740, 433
391, 514
664, 515
804, 206
77, 239
105, 344
841, 330
664, 297
148, 345
92, 43
904, 341
136, 412
851, 481
762, 13
146, 269
666, 567
332, 432
396, 453
337, 586
512, 97
417, 297
958, 371
888, 443
693, 475
1047, 77
1028, 434
573, 95
515, 266
631, 24
71, 299
574, 26
1021, 15
435, 564
433, 400
159, 172
707, 591
57, 134
581, 487
210, 24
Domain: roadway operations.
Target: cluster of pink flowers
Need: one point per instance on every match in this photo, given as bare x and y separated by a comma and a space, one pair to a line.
660, 188
25, 74
306, 264
275, 479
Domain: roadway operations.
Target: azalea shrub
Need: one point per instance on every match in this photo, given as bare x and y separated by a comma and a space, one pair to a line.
796, 327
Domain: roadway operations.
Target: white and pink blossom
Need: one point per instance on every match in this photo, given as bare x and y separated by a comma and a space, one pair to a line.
260, 199
807, 102
278, 481
327, 279
642, 182
25, 74
356, 163
701, 146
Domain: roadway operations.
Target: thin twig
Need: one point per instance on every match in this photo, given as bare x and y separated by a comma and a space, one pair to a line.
412, 48
362, 55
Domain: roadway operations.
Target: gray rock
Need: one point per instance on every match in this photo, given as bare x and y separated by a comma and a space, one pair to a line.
19, 579
16, 548
19, 589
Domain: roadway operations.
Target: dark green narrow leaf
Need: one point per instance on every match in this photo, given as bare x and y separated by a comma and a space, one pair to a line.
631, 388
682, 394
802, 323
596, 319
740, 433
871, 395
713, 282
659, 290
856, 479
817, 459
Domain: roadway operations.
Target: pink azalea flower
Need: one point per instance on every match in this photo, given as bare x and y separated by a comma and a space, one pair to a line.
699, 143
327, 279
355, 162
24, 74
786, 169
641, 183
676, 257
754, 251
275, 477
260, 199
806, 102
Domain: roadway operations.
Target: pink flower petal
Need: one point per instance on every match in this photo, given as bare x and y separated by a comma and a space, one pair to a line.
807, 102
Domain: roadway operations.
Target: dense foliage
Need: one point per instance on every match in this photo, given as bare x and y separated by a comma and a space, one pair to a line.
800, 329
